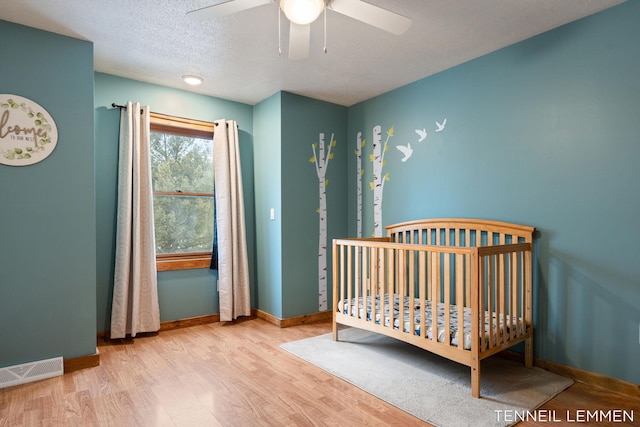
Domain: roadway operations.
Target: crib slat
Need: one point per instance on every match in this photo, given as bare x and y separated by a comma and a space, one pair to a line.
352, 276
508, 259
520, 296
412, 292
513, 312
422, 264
447, 298
344, 249
381, 279
385, 276
492, 308
506, 262
373, 285
360, 287
479, 288
499, 298
467, 243
402, 291
400, 278
497, 294
503, 291
337, 279
435, 280
460, 260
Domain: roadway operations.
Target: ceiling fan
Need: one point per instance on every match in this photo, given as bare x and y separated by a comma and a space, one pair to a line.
301, 13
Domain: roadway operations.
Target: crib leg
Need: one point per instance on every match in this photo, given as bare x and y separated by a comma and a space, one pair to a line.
335, 331
475, 379
528, 352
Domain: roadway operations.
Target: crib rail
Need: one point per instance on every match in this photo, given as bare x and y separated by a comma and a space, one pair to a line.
461, 232
487, 285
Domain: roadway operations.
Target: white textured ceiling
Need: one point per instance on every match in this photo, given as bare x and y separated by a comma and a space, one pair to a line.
154, 41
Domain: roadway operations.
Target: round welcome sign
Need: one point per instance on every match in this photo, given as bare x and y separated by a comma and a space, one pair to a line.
28, 133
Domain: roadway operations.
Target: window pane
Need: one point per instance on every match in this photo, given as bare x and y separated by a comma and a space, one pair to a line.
181, 163
183, 224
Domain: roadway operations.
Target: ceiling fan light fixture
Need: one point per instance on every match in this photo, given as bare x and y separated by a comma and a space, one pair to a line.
302, 12
192, 80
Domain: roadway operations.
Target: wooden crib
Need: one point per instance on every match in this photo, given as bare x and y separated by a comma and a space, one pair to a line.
470, 277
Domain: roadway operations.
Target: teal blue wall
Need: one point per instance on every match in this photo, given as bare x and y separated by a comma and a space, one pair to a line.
182, 294
544, 133
303, 119
47, 211
286, 126
268, 183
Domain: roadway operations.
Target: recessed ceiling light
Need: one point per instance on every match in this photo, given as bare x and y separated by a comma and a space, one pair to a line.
192, 80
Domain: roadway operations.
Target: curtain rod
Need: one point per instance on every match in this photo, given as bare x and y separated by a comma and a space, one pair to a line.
114, 105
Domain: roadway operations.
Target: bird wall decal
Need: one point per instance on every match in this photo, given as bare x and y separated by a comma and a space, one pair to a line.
407, 151
440, 126
422, 133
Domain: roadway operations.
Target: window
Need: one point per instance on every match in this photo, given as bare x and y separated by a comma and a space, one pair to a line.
182, 179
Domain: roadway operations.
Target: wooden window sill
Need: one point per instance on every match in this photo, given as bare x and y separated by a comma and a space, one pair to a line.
183, 263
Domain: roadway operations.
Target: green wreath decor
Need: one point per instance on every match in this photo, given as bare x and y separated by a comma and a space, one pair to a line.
42, 137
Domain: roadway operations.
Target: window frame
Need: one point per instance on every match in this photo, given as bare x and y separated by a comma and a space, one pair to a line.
193, 128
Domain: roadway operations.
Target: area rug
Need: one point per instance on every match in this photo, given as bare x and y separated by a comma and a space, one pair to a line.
428, 386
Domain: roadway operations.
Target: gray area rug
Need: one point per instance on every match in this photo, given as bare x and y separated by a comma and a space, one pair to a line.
427, 386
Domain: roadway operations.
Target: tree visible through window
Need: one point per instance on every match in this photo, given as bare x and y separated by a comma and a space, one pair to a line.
182, 179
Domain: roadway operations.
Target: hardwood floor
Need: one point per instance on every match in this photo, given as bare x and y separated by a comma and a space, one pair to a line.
226, 374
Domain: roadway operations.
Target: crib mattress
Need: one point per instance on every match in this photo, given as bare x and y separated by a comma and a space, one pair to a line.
348, 307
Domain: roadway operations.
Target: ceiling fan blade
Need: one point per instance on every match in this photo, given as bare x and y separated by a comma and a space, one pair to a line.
226, 8
372, 15
299, 36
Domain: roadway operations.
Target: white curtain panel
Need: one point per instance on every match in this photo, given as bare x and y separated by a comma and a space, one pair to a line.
233, 266
135, 289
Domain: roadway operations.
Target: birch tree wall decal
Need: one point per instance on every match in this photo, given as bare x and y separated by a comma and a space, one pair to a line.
321, 157
360, 143
377, 185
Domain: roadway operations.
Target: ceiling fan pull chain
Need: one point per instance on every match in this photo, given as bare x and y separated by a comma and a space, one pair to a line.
325, 29
279, 31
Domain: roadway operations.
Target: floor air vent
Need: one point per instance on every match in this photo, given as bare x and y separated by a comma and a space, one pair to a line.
29, 372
